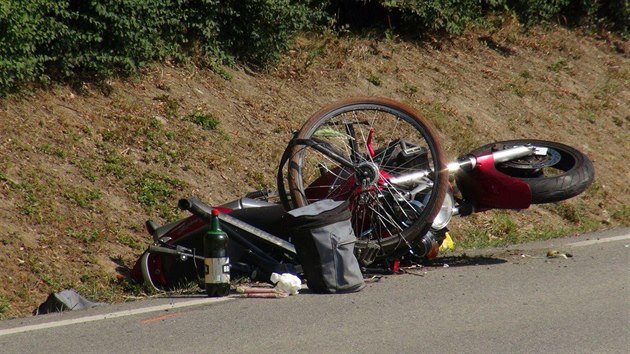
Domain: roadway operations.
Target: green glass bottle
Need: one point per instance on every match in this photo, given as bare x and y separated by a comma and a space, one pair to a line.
217, 263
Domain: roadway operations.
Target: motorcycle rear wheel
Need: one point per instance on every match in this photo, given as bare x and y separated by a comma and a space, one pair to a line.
563, 173
383, 139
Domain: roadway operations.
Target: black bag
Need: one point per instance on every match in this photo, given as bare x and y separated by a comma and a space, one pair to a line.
324, 241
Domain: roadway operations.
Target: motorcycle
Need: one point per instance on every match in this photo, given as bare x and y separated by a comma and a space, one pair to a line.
386, 160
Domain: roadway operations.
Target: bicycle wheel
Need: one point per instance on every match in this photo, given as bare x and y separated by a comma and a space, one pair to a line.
381, 156
562, 173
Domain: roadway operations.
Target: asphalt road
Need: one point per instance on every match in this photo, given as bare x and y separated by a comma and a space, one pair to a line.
512, 300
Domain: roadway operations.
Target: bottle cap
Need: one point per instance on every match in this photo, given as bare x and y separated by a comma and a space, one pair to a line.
215, 212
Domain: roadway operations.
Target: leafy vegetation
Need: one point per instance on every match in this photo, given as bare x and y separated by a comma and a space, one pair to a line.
5, 304
45, 41
205, 120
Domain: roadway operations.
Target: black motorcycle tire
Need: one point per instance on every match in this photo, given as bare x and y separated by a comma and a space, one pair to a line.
576, 174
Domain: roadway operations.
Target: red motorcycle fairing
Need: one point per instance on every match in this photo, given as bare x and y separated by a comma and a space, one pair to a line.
160, 267
166, 271
487, 188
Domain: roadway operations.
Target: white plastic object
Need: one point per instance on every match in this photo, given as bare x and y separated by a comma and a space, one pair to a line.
287, 282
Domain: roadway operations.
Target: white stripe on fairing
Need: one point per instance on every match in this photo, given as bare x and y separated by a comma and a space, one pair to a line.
111, 315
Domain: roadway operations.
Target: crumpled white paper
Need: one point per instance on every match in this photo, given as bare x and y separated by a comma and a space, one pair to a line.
286, 282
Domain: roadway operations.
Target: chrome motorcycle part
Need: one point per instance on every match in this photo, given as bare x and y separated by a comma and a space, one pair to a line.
445, 214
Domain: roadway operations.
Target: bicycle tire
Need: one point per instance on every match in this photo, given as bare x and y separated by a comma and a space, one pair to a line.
563, 173
383, 218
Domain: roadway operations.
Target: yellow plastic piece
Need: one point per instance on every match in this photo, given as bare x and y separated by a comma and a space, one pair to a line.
447, 244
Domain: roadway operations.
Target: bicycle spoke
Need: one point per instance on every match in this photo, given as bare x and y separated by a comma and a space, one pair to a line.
382, 141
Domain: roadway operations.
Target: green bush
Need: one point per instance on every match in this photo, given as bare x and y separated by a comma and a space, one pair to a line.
95, 39
412, 17
531, 12
609, 15
102, 37
257, 31
25, 28
452, 16
75, 40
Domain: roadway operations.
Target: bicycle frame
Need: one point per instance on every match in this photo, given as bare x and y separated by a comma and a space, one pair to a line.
247, 221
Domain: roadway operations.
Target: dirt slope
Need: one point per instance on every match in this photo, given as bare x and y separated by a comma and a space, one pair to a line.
81, 170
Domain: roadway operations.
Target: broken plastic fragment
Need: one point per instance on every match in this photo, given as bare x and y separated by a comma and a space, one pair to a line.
554, 254
262, 293
448, 243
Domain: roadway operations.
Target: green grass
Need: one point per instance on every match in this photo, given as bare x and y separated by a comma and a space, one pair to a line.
107, 288
128, 240
170, 106
519, 84
257, 179
446, 120
152, 135
84, 197
52, 150
31, 203
114, 163
51, 281
480, 237
205, 120
85, 236
5, 305
558, 65
408, 89
375, 80
43, 271
11, 183
314, 53
501, 229
157, 193
221, 71
86, 168
622, 215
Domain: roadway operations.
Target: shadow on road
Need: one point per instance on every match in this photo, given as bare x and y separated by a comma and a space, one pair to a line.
464, 260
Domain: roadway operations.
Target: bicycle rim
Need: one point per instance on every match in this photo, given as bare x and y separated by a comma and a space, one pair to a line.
398, 177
